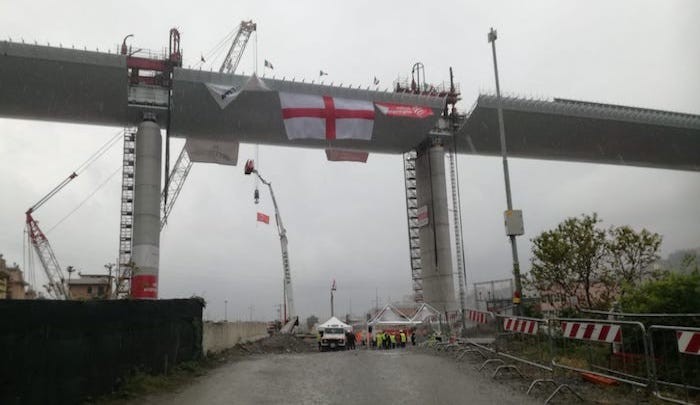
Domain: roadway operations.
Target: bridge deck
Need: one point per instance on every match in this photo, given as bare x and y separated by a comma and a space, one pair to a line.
68, 85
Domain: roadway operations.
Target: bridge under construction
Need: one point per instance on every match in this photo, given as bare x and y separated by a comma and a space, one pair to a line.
215, 111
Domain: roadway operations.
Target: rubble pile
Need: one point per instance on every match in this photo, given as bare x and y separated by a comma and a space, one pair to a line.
280, 343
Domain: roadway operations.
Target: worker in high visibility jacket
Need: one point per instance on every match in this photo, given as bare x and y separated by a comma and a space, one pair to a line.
403, 338
379, 337
393, 340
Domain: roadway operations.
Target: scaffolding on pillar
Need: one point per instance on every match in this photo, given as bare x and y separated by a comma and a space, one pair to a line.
457, 222
122, 286
409, 166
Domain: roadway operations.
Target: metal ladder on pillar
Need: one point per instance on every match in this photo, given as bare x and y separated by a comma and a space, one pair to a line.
409, 167
457, 222
122, 287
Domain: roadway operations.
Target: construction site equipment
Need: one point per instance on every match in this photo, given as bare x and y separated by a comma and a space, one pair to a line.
56, 287
240, 40
409, 167
178, 175
289, 312
176, 180
126, 220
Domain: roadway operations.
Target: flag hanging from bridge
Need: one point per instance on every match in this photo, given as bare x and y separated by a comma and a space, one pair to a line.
403, 110
224, 94
212, 151
342, 155
263, 218
323, 117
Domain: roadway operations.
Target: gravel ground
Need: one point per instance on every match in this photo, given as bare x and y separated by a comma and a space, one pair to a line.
359, 377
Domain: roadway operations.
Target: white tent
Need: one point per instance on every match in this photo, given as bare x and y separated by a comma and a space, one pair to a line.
426, 313
334, 323
390, 316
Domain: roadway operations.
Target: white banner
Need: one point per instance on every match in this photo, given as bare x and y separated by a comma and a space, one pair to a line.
207, 151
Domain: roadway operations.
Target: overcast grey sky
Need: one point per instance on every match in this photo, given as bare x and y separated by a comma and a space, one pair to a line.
348, 221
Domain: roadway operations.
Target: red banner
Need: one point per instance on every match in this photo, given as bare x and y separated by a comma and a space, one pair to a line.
144, 286
340, 155
403, 110
263, 218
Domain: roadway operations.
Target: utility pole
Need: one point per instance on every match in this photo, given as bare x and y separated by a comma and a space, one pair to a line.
250, 309
225, 310
510, 215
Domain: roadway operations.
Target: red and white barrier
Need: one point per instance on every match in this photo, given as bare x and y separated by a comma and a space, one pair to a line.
688, 342
478, 316
521, 325
597, 332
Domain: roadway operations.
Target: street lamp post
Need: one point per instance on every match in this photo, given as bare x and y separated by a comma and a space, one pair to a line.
501, 129
225, 310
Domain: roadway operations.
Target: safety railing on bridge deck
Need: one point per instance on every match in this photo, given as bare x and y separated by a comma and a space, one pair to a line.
675, 363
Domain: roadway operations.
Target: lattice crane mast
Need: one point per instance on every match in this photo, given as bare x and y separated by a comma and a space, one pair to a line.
56, 287
288, 295
235, 52
183, 164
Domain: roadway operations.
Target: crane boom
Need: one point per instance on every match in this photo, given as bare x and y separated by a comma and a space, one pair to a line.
282, 231
177, 180
235, 52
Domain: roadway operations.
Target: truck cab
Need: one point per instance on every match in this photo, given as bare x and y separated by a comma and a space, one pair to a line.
332, 338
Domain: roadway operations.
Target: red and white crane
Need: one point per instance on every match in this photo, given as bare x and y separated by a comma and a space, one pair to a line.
56, 287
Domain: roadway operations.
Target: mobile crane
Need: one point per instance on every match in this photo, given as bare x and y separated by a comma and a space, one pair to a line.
289, 312
56, 287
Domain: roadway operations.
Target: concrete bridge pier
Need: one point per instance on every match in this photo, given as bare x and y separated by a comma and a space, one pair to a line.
435, 244
146, 232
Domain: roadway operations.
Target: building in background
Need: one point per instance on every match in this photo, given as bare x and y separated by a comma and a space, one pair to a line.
90, 287
12, 284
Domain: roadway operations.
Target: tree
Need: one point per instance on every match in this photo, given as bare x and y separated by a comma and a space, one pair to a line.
578, 253
631, 254
569, 257
673, 293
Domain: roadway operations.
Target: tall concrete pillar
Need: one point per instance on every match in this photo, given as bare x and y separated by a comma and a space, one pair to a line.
146, 235
435, 244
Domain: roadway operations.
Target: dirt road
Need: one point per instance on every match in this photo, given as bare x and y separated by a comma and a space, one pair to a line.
357, 377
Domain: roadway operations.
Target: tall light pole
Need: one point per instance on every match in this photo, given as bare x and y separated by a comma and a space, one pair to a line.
225, 310
513, 227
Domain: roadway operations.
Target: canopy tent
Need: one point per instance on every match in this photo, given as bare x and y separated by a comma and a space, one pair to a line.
391, 316
333, 323
426, 312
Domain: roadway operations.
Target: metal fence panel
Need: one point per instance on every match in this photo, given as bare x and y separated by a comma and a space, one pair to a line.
675, 363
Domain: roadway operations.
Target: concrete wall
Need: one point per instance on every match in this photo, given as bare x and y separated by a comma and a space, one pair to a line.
218, 336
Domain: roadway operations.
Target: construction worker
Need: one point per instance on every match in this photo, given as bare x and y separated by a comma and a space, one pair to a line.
403, 338
392, 337
413, 337
378, 339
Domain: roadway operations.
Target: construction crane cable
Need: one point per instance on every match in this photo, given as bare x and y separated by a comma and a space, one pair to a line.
85, 200
216, 50
99, 152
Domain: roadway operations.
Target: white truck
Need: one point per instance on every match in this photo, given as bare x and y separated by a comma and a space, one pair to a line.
331, 335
